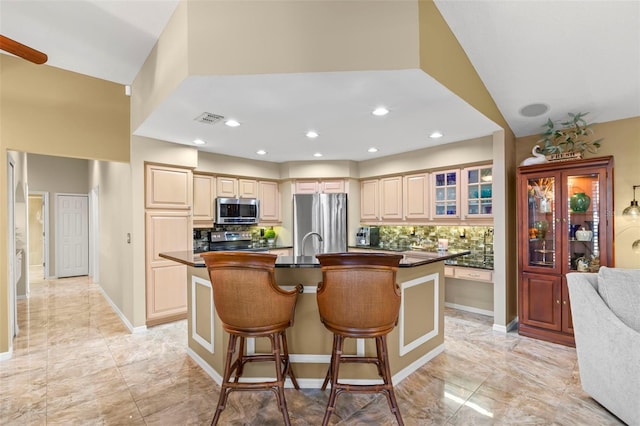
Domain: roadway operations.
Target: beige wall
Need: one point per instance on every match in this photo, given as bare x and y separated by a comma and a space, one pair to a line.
46, 110
112, 183
622, 140
56, 175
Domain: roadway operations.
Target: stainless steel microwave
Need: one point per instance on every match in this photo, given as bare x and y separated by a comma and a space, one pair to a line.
237, 211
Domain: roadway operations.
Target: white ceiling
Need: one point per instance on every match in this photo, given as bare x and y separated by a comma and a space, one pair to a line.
574, 55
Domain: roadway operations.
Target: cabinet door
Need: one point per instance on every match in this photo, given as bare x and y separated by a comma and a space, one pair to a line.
332, 186
567, 318
226, 187
166, 282
587, 216
541, 301
306, 187
247, 188
540, 224
416, 199
369, 200
203, 197
269, 196
445, 194
168, 187
477, 193
391, 198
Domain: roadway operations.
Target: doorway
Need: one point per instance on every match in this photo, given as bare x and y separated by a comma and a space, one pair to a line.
72, 235
39, 232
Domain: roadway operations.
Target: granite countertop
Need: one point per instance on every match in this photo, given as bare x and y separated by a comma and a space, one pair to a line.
190, 258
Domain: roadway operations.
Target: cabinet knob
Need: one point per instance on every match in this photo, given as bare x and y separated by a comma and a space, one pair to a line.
558, 301
564, 302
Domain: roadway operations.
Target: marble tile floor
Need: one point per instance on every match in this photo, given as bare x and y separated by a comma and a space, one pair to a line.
75, 363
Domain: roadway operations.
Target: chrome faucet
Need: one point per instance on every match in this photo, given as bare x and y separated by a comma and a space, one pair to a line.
304, 240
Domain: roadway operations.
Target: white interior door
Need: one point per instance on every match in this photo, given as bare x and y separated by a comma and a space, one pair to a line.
72, 235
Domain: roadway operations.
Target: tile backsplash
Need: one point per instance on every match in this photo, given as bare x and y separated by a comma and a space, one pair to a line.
477, 239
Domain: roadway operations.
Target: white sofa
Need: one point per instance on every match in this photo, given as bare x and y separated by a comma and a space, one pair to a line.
606, 319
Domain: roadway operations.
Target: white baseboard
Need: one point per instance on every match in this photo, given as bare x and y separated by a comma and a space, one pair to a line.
6, 355
505, 329
205, 366
409, 369
469, 309
123, 318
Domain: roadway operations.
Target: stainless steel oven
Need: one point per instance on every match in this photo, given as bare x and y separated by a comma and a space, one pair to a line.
237, 211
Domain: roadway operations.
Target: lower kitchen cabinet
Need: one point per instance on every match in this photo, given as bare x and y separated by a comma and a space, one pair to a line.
166, 282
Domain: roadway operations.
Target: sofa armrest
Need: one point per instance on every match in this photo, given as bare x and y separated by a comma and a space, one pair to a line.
607, 350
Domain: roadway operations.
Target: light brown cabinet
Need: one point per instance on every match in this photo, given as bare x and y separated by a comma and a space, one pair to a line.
269, 196
166, 290
168, 227
168, 187
312, 186
416, 196
369, 200
203, 198
554, 200
391, 198
231, 187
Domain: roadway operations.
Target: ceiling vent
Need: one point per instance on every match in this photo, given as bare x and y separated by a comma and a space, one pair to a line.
208, 118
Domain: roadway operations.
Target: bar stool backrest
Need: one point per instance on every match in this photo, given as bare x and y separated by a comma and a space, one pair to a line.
245, 294
358, 295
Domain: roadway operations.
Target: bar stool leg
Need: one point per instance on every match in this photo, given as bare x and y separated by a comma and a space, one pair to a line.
329, 370
335, 367
282, 402
287, 363
383, 356
224, 388
240, 360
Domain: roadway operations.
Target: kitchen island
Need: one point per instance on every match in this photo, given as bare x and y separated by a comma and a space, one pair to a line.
418, 337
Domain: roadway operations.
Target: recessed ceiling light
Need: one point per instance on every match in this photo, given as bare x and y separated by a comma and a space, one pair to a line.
312, 134
373, 149
380, 111
534, 110
232, 123
436, 135
261, 152
317, 154
199, 142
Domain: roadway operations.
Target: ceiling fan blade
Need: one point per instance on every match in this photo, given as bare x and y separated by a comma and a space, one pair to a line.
22, 50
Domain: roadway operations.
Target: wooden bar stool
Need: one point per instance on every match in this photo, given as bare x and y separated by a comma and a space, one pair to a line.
251, 304
359, 298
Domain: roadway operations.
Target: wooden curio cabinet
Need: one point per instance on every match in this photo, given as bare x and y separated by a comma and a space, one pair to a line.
565, 224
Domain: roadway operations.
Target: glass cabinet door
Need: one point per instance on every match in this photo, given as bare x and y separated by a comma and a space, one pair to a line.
446, 190
542, 220
583, 219
478, 191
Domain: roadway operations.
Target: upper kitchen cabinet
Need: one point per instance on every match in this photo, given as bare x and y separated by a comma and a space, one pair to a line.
564, 225
477, 192
416, 196
369, 200
311, 186
203, 198
231, 187
391, 198
269, 196
445, 189
168, 187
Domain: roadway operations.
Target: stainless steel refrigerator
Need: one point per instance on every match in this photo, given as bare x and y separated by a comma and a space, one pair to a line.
320, 222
